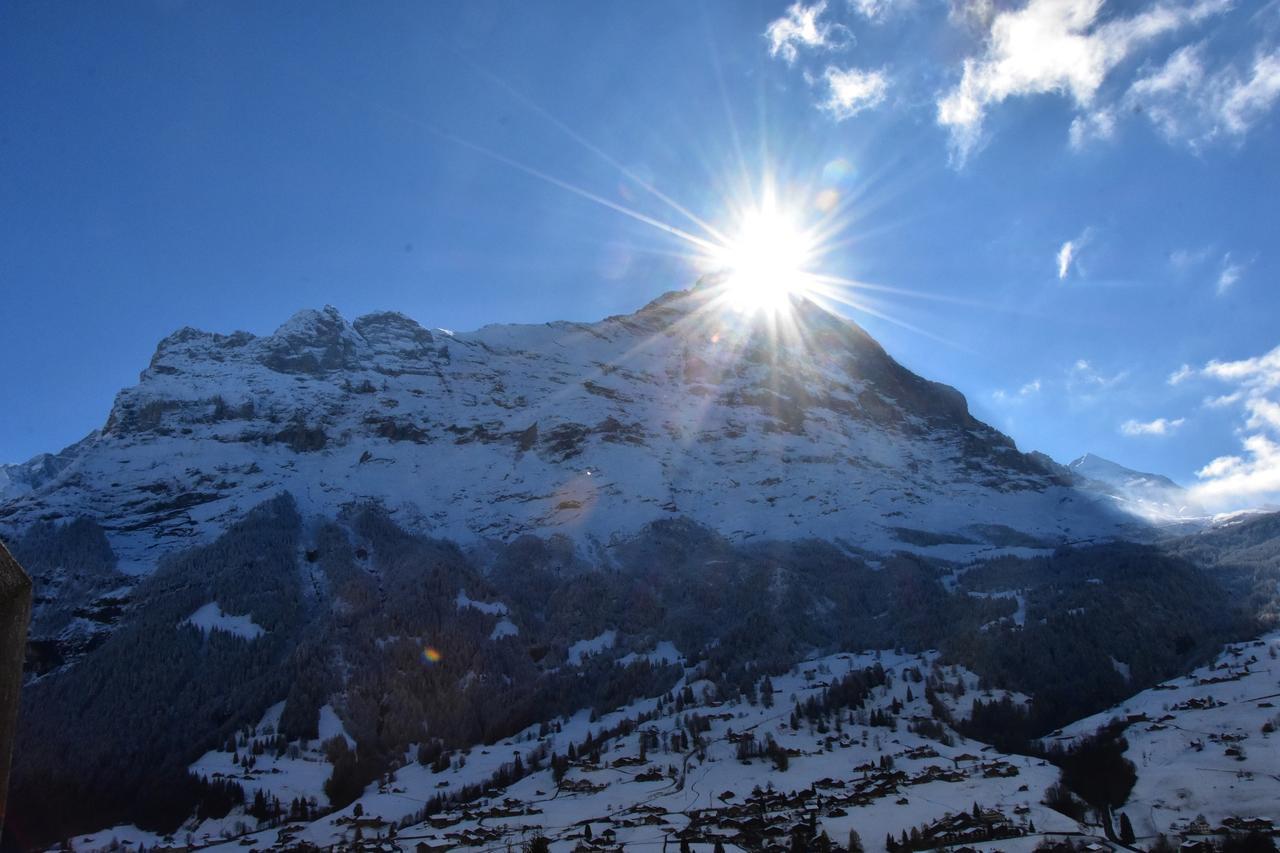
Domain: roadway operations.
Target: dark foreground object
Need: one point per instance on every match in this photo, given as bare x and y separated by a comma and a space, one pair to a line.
15, 613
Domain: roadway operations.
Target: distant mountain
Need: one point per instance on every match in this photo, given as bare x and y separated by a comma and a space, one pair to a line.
19, 479
590, 430
1151, 496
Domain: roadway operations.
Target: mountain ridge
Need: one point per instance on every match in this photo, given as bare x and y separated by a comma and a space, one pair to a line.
684, 407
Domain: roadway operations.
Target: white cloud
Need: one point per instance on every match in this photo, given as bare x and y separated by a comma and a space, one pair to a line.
1027, 390
1086, 127
1260, 373
800, 27
1223, 401
1052, 46
975, 15
1263, 414
1240, 481
1182, 374
850, 91
1070, 251
872, 10
1252, 477
1065, 255
1189, 104
1229, 274
1083, 375
1160, 426
1184, 259
1247, 100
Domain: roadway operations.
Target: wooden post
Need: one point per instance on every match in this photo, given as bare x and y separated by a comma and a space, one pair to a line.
15, 613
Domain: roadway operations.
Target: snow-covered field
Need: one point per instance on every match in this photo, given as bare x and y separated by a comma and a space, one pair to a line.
1205, 745
834, 771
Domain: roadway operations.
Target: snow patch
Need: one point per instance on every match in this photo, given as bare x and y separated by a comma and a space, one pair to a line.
331, 727
211, 617
594, 646
1122, 668
504, 628
664, 652
493, 608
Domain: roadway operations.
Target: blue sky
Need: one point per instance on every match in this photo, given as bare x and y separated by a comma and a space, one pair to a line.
1081, 196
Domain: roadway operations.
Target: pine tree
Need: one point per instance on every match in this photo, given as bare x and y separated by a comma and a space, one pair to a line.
1126, 830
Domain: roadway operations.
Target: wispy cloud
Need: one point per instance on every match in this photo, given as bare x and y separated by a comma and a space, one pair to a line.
1065, 256
1183, 260
872, 10
1084, 376
850, 91
1070, 252
1160, 426
801, 27
1229, 267
1229, 274
1260, 373
1188, 103
1052, 46
1182, 374
1252, 476
1029, 389
1099, 124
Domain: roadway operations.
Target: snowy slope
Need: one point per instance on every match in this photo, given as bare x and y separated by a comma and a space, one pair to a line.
1204, 745
835, 774
1182, 737
590, 430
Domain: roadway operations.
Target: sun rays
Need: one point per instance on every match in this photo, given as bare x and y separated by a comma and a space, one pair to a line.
762, 240
764, 261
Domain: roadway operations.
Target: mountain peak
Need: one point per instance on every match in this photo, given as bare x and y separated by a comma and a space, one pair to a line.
1096, 467
1151, 496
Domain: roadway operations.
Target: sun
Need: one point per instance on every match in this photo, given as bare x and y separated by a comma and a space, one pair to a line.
764, 262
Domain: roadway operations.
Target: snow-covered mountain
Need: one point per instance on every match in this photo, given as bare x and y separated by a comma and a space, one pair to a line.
592, 430
1151, 496
16, 480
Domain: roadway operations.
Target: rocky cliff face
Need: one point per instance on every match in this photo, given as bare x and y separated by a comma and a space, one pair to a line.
751, 427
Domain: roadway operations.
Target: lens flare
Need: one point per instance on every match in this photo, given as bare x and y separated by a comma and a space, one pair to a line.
765, 260
430, 655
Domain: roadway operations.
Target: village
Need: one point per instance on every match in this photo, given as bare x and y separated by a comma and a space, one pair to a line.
689, 771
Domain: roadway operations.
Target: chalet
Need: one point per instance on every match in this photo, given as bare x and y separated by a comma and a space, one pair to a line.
1199, 826
1248, 824
999, 770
